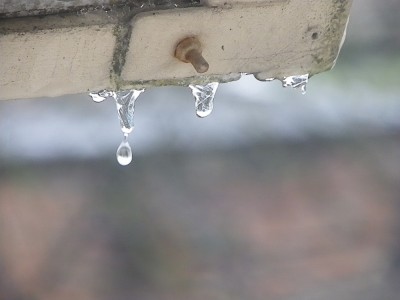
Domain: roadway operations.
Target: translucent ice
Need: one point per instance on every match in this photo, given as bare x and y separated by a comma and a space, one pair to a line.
125, 101
204, 96
296, 81
101, 96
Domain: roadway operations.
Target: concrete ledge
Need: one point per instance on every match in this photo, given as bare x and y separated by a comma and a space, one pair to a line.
280, 38
128, 46
23, 8
56, 62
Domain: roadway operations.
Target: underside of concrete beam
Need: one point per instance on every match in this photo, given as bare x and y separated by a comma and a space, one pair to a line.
68, 47
23, 8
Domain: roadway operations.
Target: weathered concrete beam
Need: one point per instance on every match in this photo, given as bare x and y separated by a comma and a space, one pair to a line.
120, 44
23, 8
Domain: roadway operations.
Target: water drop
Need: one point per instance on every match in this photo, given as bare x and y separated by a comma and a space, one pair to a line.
101, 96
297, 82
204, 96
125, 101
124, 152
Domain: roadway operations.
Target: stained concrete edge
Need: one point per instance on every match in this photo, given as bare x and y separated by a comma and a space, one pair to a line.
70, 53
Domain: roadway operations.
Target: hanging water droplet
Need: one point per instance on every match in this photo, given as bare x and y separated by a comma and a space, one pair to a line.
204, 96
125, 101
101, 96
297, 82
124, 152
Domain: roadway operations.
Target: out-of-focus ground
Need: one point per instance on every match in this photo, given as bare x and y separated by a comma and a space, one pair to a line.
315, 220
274, 196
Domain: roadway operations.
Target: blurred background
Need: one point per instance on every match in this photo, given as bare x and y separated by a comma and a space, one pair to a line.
276, 195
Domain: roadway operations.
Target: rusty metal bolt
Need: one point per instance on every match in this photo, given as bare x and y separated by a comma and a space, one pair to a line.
189, 51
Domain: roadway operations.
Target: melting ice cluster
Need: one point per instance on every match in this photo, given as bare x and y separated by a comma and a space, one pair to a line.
204, 103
